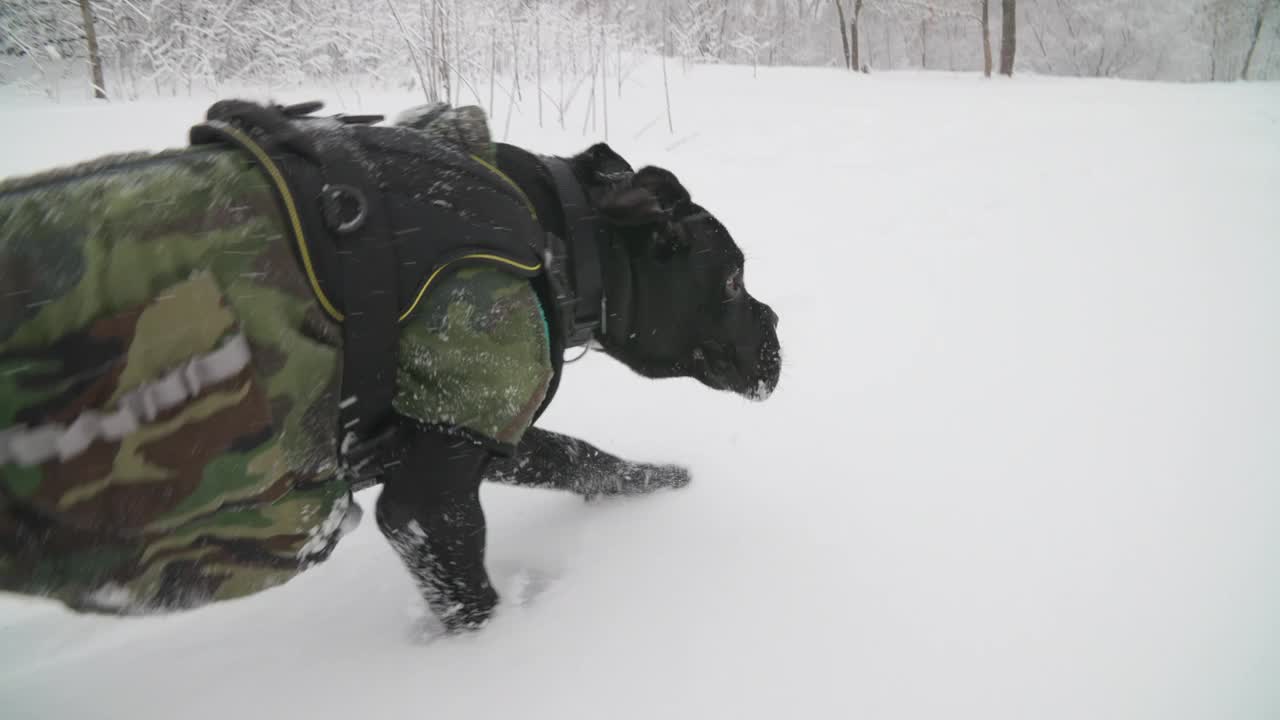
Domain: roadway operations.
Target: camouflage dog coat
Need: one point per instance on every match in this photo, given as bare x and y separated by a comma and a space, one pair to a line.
168, 385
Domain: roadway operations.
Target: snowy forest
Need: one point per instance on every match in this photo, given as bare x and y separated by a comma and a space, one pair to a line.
1022, 459
453, 49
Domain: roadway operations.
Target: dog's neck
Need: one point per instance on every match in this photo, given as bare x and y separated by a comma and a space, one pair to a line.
528, 172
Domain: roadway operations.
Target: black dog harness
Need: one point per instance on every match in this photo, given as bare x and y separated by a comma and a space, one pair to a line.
354, 198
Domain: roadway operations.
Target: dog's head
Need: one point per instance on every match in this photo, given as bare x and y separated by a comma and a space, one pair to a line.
676, 291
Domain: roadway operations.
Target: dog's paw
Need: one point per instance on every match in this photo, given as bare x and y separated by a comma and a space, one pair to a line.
639, 479
671, 477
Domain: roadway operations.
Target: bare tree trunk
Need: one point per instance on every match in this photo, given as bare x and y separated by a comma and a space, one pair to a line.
433, 92
853, 35
782, 31
561, 65
724, 28
604, 68
1213, 63
924, 44
1009, 38
460, 32
182, 38
592, 58
95, 59
442, 52
537, 49
1257, 32
844, 35
950, 30
515, 53
621, 39
986, 38
493, 66
666, 87
413, 52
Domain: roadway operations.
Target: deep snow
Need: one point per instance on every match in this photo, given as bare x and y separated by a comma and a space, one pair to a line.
1024, 461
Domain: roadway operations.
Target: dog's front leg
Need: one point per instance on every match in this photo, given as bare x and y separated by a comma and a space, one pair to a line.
430, 512
551, 460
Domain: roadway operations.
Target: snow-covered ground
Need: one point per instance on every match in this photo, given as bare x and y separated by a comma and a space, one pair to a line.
1024, 461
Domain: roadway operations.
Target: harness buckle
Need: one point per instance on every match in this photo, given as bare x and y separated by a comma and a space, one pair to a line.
356, 456
576, 330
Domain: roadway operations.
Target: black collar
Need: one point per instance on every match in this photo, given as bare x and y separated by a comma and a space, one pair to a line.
580, 248
585, 237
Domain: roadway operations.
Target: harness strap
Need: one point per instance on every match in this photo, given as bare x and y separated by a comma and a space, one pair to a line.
353, 216
370, 335
585, 235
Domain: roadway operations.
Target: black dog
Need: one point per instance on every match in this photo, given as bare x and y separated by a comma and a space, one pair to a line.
676, 306
621, 259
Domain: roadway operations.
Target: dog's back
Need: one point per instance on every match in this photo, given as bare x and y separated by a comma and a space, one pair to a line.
151, 318
169, 384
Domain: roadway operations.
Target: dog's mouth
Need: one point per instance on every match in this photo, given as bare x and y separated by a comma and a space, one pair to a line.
717, 366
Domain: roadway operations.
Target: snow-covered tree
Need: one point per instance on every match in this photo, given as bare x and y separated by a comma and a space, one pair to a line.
449, 49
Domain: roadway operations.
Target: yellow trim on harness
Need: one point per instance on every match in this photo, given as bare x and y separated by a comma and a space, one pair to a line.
291, 208
519, 191
422, 292
274, 172
478, 256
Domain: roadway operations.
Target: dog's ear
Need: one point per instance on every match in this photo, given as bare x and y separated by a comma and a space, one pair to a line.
599, 164
664, 186
651, 196
631, 207
639, 209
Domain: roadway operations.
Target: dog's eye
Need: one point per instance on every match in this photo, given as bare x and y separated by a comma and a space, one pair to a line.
733, 286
